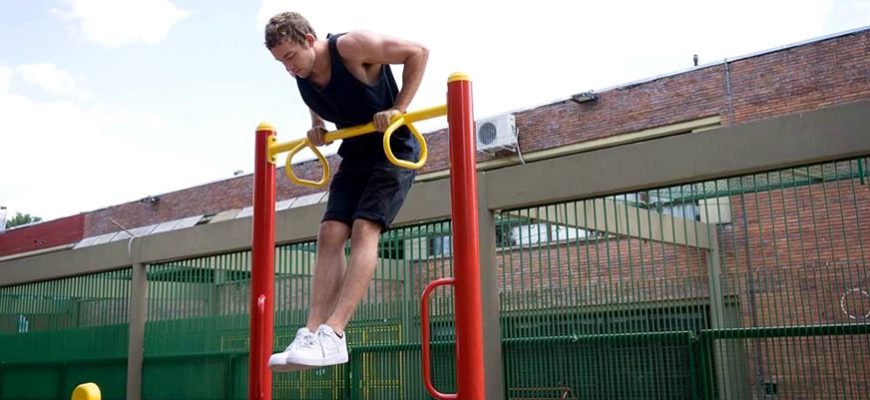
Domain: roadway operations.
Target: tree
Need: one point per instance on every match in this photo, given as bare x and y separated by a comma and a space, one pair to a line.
21, 219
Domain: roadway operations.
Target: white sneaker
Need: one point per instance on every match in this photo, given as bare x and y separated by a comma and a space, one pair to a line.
278, 361
326, 349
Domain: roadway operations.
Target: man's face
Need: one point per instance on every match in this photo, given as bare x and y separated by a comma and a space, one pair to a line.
298, 59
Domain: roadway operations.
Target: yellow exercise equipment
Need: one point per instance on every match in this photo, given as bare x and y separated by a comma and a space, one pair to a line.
86, 391
294, 146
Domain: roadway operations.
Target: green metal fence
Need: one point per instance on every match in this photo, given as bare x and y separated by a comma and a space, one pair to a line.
383, 337
746, 287
196, 334
749, 287
797, 257
57, 334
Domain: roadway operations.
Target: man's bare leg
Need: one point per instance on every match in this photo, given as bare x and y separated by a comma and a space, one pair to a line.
363, 260
329, 270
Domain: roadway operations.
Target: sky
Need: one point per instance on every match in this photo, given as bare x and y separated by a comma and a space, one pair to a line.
103, 102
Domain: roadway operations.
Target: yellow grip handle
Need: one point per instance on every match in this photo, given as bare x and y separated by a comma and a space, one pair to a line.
295, 146
288, 167
388, 150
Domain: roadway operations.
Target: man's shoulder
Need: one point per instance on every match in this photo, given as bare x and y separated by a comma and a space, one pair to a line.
355, 40
355, 34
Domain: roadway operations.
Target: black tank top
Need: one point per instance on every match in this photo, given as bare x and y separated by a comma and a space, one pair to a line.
346, 102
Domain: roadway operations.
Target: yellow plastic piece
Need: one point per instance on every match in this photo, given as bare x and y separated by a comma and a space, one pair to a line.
265, 126
458, 76
288, 167
424, 151
295, 146
86, 391
271, 140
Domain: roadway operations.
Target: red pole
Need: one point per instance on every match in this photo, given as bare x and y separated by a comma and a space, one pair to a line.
466, 260
262, 268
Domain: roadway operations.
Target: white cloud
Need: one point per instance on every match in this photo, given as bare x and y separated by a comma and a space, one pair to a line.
5, 77
115, 23
49, 78
65, 156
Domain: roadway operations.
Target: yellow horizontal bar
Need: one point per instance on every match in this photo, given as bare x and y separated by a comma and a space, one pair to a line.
419, 115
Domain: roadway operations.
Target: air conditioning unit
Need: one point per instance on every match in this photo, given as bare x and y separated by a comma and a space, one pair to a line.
497, 133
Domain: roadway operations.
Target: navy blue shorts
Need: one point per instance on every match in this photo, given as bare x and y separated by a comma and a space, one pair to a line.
371, 190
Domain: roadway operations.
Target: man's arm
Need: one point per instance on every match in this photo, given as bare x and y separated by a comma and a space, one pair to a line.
362, 47
316, 120
317, 131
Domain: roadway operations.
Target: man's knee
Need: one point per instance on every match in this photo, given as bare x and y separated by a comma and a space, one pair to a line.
365, 227
333, 234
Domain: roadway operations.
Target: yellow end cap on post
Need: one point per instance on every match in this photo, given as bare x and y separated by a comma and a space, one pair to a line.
458, 76
86, 391
265, 126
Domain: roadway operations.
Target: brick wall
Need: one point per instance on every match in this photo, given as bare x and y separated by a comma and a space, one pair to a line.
833, 71
42, 235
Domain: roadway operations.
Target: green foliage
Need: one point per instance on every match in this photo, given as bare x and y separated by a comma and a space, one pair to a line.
21, 219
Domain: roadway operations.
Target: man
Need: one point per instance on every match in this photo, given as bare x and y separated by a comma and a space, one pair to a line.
346, 79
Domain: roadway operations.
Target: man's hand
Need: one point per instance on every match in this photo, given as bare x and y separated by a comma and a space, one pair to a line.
316, 134
383, 118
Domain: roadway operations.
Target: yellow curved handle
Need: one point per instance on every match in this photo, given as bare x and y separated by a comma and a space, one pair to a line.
288, 166
424, 152
294, 146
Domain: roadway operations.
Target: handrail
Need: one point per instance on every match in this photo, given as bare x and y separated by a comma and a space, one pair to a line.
424, 325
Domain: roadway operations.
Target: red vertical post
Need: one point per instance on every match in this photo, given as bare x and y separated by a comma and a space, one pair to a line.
466, 259
262, 268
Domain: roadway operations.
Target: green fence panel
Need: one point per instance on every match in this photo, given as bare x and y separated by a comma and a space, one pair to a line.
198, 315
744, 287
55, 335
196, 333
782, 248
797, 255
628, 296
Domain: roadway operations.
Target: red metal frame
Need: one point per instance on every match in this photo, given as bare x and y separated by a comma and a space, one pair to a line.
466, 259
468, 312
262, 269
